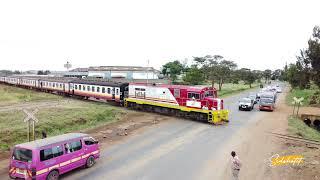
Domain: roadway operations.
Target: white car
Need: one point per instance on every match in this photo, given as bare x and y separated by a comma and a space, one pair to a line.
278, 90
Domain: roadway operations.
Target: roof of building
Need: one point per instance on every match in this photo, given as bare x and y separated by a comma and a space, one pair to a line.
121, 68
79, 70
51, 140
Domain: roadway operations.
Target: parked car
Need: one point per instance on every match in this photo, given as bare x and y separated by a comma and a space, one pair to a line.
266, 104
50, 157
253, 96
246, 104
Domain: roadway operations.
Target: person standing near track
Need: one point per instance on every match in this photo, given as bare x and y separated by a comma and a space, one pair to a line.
235, 165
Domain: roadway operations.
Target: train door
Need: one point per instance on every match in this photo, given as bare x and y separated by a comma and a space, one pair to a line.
113, 93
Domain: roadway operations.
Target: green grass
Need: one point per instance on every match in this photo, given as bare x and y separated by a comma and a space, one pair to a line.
73, 116
12, 95
229, 88
305, 93
298, 127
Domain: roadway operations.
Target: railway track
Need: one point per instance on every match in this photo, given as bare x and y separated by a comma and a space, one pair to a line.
294, 138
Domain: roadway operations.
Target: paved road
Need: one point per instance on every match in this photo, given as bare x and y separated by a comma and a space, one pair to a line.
176, 149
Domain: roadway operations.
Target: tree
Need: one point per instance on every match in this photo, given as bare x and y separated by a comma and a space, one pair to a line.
209, 66
248, 76
276, 74
193, 76
304, 69
225, 69
267, 75
40, 73
46, 72
313, 53
216, 68
16, 72
172, 69
293, 75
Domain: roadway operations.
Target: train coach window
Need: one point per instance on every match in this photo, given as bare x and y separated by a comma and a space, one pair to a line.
80, 87
193, 95
103, 90
75, 87
88, 88
109, 92
54, 85
177, 93
117, 91
98, 89
93, 88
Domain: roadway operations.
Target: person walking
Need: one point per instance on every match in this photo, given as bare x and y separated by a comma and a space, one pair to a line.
235, 165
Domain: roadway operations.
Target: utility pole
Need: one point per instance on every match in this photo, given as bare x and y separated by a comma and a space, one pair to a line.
148, 73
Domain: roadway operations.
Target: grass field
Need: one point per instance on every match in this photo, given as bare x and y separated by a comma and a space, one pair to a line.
305, 93
71, 115
229, 88
11, 95
298, 127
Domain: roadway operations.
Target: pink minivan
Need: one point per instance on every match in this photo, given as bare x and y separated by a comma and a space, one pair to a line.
50, 157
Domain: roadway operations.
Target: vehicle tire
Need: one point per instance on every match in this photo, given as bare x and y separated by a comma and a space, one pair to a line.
53, 175
90, 162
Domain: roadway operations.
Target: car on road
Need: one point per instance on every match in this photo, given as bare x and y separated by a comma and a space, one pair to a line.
50, 157
278, 90
266, 104
269, 95
254, 97
246, 104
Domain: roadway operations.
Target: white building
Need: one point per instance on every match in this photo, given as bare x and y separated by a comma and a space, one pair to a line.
110, 72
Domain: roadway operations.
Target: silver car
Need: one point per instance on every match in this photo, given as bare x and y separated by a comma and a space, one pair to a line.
246, 104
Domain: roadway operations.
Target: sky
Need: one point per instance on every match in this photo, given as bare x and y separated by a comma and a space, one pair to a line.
256, 34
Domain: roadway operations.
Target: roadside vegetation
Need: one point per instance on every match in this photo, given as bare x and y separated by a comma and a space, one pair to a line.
12, 95
67, 116
72, 116
310, 96
299, 128
304, 74
231, 88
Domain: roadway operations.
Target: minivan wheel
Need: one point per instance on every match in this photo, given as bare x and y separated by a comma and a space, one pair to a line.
53, 175
90, 162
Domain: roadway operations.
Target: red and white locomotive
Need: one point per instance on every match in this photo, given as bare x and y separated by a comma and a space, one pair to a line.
199, 103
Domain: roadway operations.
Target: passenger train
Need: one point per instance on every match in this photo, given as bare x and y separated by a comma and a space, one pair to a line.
199, 103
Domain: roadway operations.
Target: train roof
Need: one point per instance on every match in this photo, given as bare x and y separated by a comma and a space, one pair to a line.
172, 86
51, 140
99, 83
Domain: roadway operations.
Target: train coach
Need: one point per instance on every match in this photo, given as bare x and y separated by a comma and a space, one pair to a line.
200, 103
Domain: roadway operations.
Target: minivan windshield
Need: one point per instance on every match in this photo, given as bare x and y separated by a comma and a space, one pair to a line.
266, 100
20, 154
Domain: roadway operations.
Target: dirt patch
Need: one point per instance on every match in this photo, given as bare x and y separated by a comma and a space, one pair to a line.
128, 125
